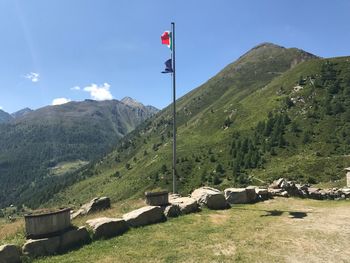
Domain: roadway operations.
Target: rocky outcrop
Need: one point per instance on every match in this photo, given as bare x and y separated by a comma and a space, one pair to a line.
144, 216
107, 227
96, 204
236, 195
9, 254
187, 205
210, 197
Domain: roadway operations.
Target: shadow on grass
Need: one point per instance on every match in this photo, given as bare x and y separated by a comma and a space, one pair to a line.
292, 214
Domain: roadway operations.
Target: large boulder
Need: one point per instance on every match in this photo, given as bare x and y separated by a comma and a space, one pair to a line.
262, 193
236, 195
187, 205
74, 238
41, 247
172, 210
251, 194
210, 197
107, 227
9, 254
96, 204
144, 216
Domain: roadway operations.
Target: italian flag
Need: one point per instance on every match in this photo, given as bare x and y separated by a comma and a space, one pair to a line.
167, 39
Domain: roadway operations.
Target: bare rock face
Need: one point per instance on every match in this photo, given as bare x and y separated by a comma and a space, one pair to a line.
96, 204
236, 195
107, 227
144, 216
74, 238
210, 197
187, 205
41, 247
9, 254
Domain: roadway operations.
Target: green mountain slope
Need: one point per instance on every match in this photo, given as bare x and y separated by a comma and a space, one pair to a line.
274, 112
37, 143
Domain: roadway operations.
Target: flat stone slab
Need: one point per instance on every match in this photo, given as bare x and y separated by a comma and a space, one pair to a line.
144, 216
41, 247
236, 195
105, 227
210, 197
10, 254
187, 204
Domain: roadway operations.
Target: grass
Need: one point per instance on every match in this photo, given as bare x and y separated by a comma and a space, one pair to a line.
278, 230
65, 167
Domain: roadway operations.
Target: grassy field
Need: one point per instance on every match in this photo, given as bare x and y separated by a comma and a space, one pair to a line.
278, 230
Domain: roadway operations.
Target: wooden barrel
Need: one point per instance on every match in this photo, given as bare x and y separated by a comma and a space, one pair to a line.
47, 224
160, 198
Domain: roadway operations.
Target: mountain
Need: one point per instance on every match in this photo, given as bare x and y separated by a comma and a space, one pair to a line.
53, 138
275, 112
21, 113
4, 117
133, 103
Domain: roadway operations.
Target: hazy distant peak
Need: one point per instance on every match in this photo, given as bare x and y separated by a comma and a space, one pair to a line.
21, 112
131, 102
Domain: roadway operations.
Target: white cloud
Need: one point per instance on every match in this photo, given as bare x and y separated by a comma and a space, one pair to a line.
99, 92
75, 88
60, 101
32, 76
1, 108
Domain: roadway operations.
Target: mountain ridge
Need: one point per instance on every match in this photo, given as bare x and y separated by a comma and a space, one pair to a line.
228, 109
46, 137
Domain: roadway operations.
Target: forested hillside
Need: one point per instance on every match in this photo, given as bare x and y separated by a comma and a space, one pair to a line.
37, 144
274, 112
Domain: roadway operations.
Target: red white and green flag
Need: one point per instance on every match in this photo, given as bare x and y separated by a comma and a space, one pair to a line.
167, 39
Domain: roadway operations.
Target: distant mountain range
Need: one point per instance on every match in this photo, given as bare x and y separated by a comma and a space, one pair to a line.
31, 142
275, 112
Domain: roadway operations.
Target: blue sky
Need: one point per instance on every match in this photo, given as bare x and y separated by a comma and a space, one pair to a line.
111, 48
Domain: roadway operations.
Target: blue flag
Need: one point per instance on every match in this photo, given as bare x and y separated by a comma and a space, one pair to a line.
168, 67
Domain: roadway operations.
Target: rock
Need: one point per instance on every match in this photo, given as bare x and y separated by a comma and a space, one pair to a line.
278, 192
94, 205
144, 216
107, 227
314, 193
172, 210
74, 238
251, 194
9, 254
41, 247
187, 204
262, 193
236, 195
277, 183
210, 197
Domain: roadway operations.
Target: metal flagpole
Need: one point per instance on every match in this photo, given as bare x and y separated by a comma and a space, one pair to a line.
174, 105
